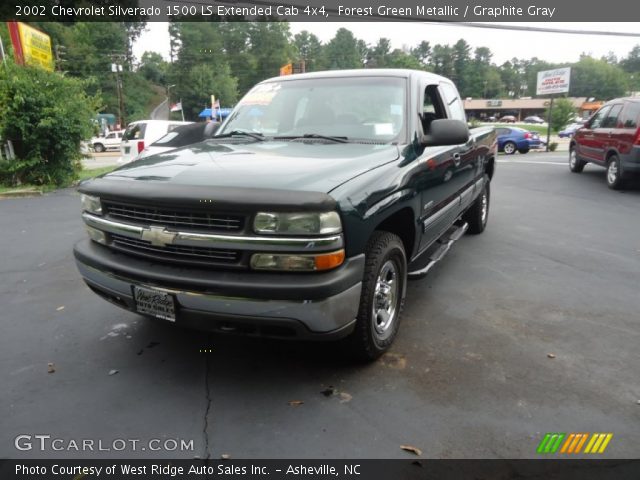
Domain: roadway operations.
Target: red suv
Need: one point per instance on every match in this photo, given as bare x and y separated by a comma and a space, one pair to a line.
611, 139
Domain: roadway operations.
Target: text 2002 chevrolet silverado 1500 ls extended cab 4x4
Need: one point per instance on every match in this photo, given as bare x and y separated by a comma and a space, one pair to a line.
303, 217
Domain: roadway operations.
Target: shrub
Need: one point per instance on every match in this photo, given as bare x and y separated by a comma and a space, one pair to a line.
553, 146
45, 116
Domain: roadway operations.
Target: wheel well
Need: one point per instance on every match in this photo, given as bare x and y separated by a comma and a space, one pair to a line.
489, 167
402, 224
610, 154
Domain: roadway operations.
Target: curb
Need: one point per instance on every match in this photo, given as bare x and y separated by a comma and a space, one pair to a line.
26, 192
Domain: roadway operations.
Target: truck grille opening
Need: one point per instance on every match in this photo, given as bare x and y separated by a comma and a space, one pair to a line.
177, 219
202, 256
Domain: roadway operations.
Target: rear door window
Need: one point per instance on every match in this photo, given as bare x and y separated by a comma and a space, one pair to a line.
135, 131
611, 120
631, 116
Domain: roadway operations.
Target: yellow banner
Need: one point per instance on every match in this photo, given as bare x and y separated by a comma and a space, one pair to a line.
36, 47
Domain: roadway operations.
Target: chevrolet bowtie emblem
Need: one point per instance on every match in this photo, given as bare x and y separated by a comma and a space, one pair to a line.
158, 236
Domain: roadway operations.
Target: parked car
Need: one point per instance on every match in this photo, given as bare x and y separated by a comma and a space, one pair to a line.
181, 136
534, 119
141, 133
569, 130
303, 224
512, 139
110, 141
507, 119
610, 139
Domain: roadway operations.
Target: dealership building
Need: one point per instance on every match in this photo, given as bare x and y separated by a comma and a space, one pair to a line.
483, 109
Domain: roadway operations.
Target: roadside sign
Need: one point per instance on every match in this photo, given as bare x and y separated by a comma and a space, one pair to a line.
553, 81
31, 46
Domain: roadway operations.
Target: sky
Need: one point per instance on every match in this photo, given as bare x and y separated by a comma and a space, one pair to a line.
505, 44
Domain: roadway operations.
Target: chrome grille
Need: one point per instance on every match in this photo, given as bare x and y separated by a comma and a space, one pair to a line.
177, 219
175, 253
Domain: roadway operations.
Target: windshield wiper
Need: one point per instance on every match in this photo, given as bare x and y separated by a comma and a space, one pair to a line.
314, 135
240, 133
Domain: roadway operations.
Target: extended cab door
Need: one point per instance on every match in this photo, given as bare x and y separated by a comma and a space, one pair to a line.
444, 170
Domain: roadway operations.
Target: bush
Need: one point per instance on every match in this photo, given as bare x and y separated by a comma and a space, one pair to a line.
45, 116
553, 146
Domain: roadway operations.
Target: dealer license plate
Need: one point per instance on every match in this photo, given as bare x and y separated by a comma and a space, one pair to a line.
157, 303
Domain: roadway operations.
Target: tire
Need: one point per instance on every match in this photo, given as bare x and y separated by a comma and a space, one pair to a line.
523, 150
575, 164
98, 147
376, 324
615, 178
509, 148
478, 213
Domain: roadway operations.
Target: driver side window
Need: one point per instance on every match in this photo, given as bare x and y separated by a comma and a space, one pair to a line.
596, 120
432, 108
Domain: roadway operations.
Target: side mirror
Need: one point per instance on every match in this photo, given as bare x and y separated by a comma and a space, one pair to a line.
446, 132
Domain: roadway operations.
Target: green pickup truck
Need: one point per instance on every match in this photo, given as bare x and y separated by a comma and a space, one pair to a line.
303, 217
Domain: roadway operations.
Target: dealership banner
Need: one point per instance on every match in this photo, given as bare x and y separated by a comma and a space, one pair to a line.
324, 10
230, 469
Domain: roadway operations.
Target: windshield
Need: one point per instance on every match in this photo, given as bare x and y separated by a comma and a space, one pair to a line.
359, 108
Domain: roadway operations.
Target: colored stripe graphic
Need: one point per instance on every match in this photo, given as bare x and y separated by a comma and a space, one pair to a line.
573, 443
551, 442
598, 443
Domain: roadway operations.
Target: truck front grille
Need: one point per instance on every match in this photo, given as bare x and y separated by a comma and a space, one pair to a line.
199, 256
173, 218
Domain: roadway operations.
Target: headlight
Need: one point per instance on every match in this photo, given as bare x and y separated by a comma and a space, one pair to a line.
300, 223
91, 204
297, 262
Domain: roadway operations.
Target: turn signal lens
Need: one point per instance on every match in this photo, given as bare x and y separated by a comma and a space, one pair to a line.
328, 261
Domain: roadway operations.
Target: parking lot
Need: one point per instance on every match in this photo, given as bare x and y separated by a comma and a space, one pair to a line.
532, 327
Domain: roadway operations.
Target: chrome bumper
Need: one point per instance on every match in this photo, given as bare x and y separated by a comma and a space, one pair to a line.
328, 318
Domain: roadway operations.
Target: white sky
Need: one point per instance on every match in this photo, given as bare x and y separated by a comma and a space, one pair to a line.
505, 44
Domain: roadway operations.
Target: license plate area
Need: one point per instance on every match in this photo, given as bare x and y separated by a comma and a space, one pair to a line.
159, 304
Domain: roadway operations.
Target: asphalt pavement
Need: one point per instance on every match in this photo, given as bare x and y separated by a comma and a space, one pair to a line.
529, 328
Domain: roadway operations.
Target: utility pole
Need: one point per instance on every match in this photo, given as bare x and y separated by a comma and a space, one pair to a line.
116, 68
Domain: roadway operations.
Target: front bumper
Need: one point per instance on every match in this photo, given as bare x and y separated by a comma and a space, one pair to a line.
302, 306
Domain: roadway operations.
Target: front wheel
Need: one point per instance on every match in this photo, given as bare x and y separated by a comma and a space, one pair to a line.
98, 147
478, 213
509, 148
382, 297
575, 164
523, 150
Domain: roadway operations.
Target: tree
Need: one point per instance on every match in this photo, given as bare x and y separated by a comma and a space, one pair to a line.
45, 115
597, 78
561, 113
342, 51
154, 68
309, 50
422, 53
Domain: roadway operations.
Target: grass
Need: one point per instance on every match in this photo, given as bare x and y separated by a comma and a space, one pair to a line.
94, 172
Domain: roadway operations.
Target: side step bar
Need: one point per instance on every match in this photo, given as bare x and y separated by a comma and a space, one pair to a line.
449, 238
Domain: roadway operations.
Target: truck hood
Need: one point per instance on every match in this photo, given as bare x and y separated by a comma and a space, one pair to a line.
281, 165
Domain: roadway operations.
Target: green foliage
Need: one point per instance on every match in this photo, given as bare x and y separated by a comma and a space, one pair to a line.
553, 146
45, 116
561, 113
597, 78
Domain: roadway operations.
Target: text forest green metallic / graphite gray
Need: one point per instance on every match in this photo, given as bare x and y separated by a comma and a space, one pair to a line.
181, 223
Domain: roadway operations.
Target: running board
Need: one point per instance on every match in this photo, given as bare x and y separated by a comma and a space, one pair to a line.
449, 238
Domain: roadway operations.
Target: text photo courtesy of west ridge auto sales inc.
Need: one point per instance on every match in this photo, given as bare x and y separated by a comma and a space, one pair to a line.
317, 240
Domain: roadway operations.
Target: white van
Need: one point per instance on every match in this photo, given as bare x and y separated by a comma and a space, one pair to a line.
141, 133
